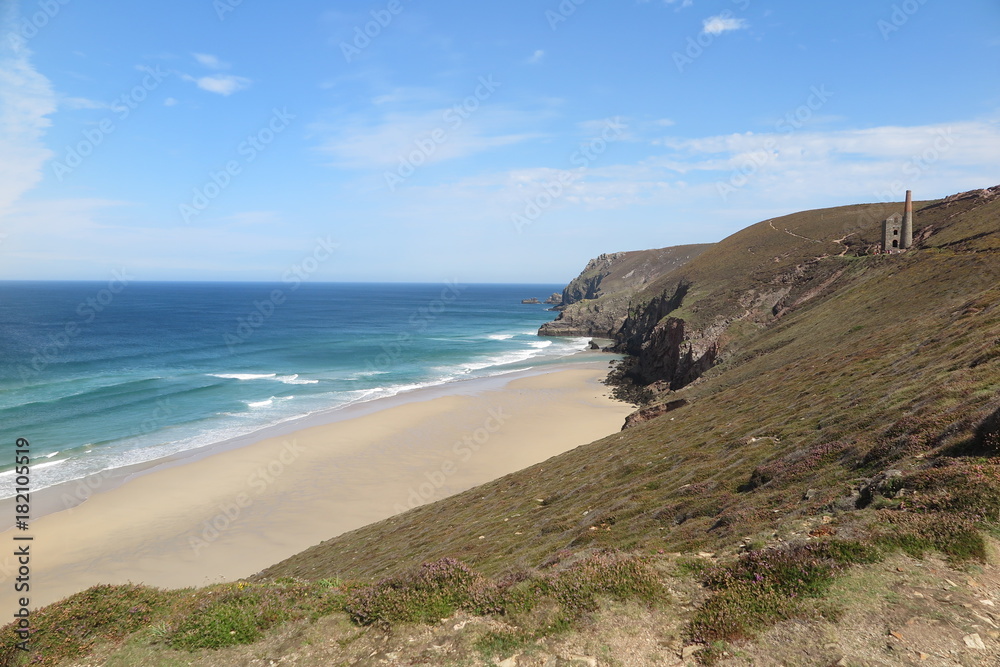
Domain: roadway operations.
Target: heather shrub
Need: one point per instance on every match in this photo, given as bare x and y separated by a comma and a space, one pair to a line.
769, 585
972, 490
437, 590
73, 627
240, 613
608, 573
915, 534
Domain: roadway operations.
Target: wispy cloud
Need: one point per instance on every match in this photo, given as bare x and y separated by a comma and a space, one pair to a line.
777, 172
412, 122
27, 99
716, 25
536, 57
222, 84
683, 3
210, 61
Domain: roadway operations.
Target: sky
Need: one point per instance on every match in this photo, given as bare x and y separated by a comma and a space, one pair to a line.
487, 141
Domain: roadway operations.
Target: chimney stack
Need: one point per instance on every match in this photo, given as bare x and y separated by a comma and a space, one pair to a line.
907, 233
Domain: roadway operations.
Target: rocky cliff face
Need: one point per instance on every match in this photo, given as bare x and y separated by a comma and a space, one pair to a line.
587, 285
596, 302
662, 347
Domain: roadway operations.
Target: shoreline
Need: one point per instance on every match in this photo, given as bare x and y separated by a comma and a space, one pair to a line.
72, 493
230, 509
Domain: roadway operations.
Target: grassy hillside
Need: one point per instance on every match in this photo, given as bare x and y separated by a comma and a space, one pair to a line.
830, 494
904, 348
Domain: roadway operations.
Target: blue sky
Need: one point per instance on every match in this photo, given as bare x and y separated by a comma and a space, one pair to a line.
474, 141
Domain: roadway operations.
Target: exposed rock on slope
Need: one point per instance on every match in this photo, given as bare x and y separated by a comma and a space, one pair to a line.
596, 302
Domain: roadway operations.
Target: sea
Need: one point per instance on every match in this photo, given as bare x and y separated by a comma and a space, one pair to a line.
97, 376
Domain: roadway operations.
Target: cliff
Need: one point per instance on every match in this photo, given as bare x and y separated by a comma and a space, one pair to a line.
595, 303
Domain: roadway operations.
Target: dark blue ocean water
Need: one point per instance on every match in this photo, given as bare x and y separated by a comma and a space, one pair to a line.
101, 375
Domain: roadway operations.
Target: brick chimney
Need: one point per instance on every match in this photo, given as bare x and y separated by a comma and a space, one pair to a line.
907, 233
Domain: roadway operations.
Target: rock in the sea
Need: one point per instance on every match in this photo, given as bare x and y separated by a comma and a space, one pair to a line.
594, 346
531, 300
554, 300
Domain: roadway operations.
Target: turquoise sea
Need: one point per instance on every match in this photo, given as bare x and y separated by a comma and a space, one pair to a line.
102, 375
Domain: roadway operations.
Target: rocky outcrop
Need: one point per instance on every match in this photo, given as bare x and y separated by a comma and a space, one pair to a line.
652, 412
662, 347
554, 300
532, 300
588, 284
596, 302
588, 318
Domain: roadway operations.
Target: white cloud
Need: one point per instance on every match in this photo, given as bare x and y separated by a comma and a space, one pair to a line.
684, 3
210, 61
770, 174
169, 102
26, 101
223, 84
716, 25
360, 143
536, 57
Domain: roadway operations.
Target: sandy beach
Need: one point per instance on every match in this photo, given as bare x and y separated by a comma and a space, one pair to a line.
226, 514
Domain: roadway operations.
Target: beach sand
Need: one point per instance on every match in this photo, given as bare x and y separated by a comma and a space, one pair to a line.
229, 514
